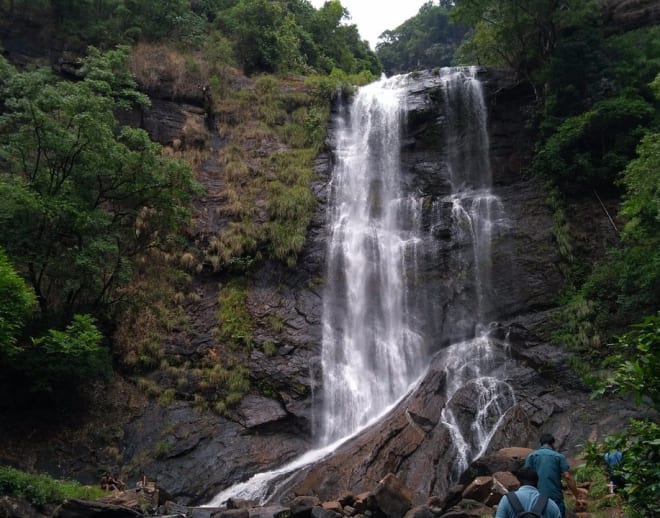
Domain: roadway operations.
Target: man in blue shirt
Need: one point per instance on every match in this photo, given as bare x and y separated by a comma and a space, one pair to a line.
527, 495
551, 466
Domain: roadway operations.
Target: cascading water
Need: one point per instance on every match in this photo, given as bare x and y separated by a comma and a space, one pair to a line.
371, 349
374, 348
477, 213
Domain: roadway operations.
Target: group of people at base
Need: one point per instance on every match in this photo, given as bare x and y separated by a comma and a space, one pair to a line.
540, 494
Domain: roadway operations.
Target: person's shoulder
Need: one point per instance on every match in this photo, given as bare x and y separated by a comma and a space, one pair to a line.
552, 452
503, 508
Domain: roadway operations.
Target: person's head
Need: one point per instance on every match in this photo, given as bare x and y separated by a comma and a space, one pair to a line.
527, 477
547, 439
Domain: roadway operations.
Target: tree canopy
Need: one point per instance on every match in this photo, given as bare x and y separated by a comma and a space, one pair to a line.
266, 36
427, 40
82, 195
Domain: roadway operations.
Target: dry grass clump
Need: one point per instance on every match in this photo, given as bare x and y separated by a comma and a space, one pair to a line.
274, 132
166, 71
188, 260
195, 132
217, 382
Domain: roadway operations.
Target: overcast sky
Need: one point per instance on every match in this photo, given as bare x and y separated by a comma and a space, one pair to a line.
373, 17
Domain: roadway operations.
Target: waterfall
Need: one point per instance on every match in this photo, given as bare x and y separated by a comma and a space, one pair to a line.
375, 346
476, 215
372, 350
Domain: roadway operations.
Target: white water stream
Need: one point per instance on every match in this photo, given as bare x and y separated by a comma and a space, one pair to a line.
477, 213
373, 346
372, 350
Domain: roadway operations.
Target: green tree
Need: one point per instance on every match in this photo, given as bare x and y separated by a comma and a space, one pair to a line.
64, 359
17, 301
82, 195
266, 36
520, 34
340, 45
427, 40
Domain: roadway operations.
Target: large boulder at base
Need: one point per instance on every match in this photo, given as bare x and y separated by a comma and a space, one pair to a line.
393, 498
478, 489
484, 489
507, 480
506, 459
301, 506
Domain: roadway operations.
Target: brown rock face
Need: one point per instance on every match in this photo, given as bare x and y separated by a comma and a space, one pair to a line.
398, 445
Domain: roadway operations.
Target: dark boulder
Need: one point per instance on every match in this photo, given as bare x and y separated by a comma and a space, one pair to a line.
301, 506
89, 509
392, 497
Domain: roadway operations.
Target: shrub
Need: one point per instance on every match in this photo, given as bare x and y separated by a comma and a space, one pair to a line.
233, 317
41, 490
17, 301
640, 467
65, 357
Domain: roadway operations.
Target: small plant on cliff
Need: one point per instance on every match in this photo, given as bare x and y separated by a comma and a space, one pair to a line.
234, 320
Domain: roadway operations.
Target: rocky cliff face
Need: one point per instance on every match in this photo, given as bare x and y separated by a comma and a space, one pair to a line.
412, 441
193, 454
210, 453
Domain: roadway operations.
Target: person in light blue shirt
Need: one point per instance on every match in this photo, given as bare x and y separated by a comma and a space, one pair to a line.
527, 495
613, 459
551, 466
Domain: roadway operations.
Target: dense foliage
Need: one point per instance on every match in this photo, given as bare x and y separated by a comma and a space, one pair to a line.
42, 490
261, 35
17, 302
84, 200
427, 40
82, 195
